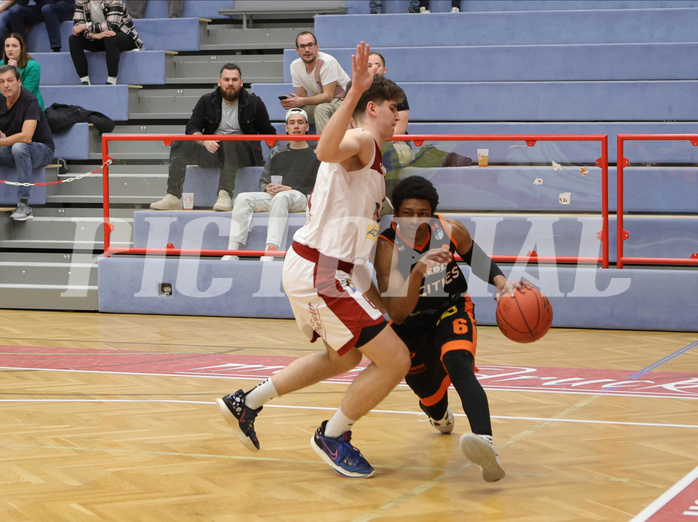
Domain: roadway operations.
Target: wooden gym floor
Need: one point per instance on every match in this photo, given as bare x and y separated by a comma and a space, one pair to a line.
112, 417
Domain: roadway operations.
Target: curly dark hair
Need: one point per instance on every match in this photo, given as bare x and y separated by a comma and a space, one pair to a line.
415, 187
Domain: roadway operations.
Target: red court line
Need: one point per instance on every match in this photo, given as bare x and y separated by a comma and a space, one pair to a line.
237, 366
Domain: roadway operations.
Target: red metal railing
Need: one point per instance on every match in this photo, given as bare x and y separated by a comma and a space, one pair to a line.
270, 140
621, 234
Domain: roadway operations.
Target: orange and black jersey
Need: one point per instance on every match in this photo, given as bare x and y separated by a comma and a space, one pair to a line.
441, 286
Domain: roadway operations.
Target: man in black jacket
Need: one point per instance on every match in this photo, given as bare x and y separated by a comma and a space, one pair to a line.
227, 110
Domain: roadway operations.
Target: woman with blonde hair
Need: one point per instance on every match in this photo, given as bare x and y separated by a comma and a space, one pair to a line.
14, 52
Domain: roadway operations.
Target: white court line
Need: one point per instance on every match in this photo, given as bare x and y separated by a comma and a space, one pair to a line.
669, 494
322, 408
347, 381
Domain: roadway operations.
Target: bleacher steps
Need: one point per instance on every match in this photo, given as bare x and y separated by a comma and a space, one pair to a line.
223, 38
205, 69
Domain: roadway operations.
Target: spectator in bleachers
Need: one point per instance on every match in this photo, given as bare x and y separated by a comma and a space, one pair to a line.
14, 52
26, 141
137, 8
396, 154
101, 25
52, 12
296, 163
229, 109
424, 6
376, 6
319, 80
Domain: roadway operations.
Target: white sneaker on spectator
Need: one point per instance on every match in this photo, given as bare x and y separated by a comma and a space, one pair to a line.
479, 450
223, 203
455, 10
169, 202
424, 10
22, 213
230, 258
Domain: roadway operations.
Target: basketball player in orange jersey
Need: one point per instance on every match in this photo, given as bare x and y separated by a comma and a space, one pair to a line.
334, 244
425, 293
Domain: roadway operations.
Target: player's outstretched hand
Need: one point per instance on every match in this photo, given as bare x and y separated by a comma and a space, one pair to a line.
510, 287
362, 76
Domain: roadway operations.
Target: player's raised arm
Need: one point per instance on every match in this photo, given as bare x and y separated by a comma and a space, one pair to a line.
333, 147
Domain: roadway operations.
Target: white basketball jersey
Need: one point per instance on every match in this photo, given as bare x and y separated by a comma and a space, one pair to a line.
342, 220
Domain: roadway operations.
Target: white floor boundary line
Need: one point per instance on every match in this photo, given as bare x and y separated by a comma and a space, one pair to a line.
322, 408
664, 499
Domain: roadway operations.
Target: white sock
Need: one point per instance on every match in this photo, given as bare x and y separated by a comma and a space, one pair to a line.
260, 394
111, 80
85, 79
338, 424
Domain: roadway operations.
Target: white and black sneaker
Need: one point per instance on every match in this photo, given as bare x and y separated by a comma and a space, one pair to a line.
240, 418
480, 450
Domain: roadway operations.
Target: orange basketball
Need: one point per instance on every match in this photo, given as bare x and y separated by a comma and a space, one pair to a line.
526, 317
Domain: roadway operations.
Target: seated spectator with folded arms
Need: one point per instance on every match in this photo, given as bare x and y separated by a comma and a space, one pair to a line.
52, 12
26, 142
101, 25
14, 52
229, 109
295, 162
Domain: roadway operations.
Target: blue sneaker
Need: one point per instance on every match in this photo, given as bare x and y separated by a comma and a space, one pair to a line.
240, 418
344, 458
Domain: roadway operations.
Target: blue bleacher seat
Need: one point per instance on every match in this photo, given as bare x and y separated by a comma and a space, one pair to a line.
562, 62
135, 68
510, 28
156, 34
110, 100
73, 144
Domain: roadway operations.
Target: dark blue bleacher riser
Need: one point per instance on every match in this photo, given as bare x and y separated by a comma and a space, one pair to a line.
111, 100
661, 61
535, 101
637, 152
444, 6
501, 235
667, 190
9, 193
169, 34
646, 189
135, 68
73, 144
581, 297
509, 28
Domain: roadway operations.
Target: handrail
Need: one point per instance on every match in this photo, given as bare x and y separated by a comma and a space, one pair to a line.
418, 139
621, 234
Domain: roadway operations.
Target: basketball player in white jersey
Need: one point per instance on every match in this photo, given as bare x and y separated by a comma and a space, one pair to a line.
340, 231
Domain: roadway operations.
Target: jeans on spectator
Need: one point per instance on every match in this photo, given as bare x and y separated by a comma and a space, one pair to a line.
229, 158
52, 14
25, 157
111, 45
278, 207
4, 25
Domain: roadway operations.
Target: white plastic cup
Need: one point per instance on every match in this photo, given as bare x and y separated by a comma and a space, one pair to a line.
276, 180
483, 156
188, 200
